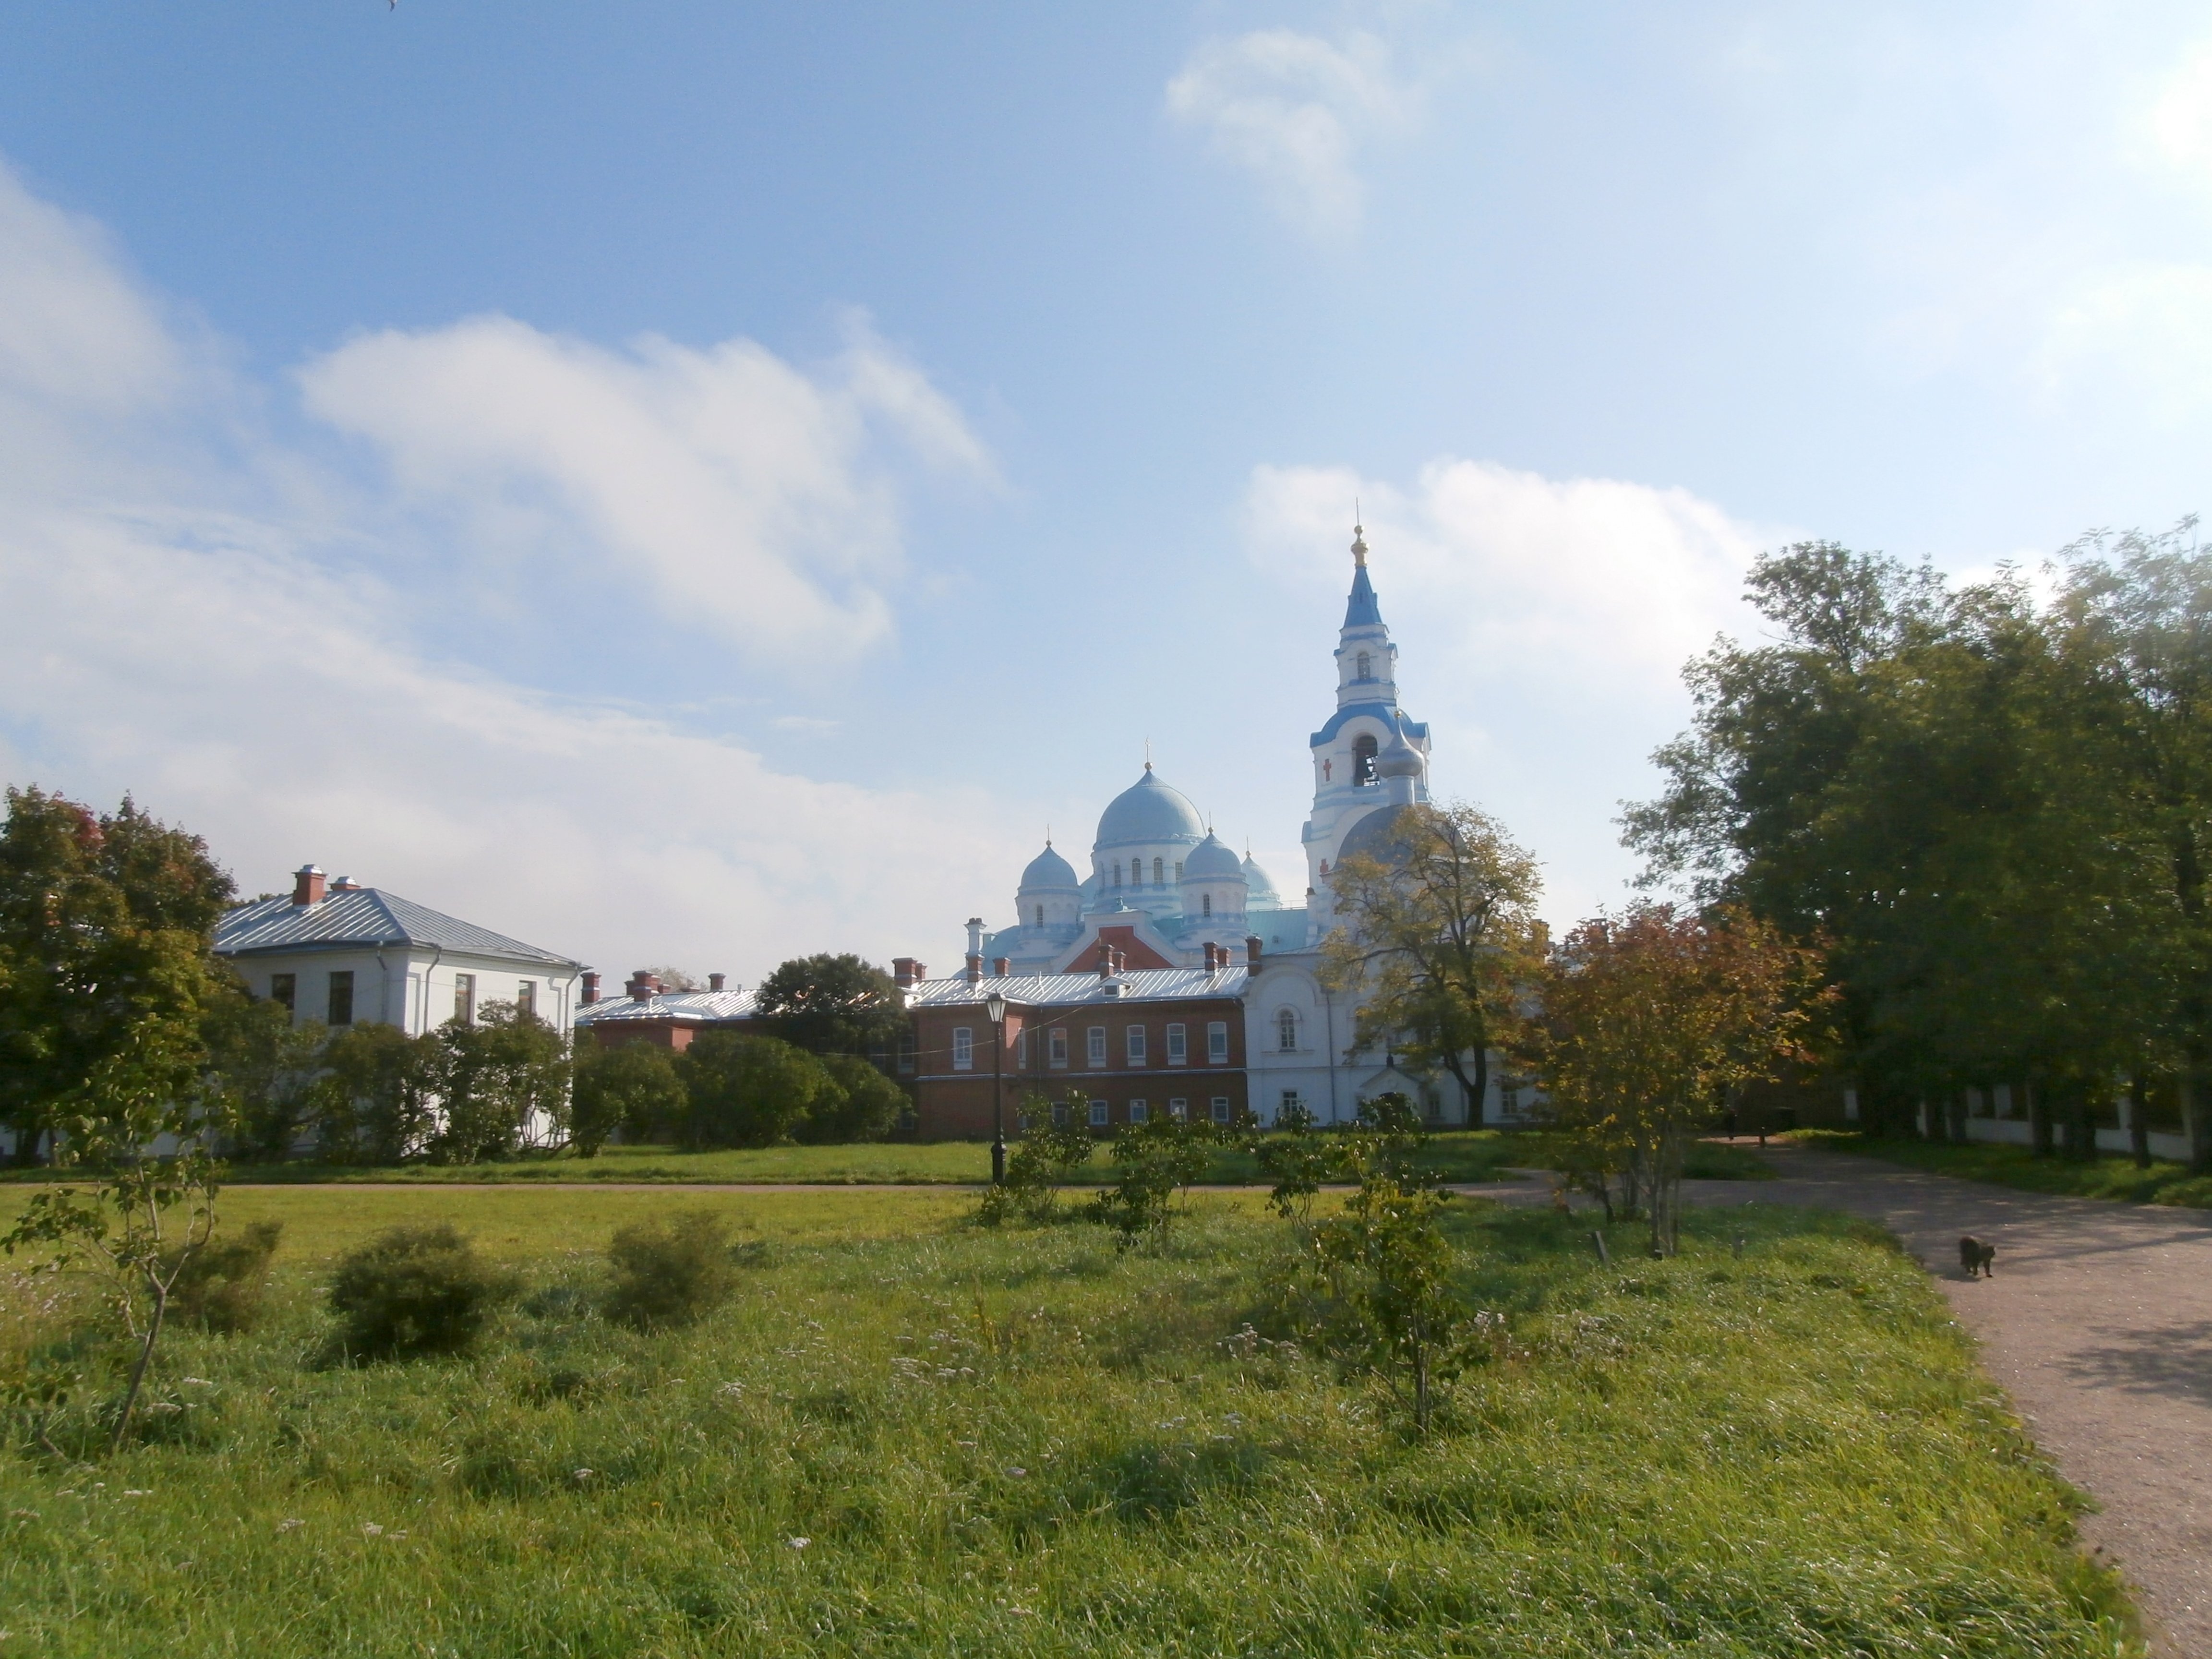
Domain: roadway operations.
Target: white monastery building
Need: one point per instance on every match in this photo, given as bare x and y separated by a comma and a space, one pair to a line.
350, 955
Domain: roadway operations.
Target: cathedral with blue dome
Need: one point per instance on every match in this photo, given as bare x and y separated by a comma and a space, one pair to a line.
1163, 891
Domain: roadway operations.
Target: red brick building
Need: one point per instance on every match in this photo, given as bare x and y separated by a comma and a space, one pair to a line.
1109, 1048
648, 1012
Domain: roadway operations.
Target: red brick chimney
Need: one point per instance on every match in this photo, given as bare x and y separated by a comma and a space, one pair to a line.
715, 982
903, 972
591, 987
998, 966
641, 987
307, 884
1105, 960
1212, 960
345, 884
1252, 952
974, 969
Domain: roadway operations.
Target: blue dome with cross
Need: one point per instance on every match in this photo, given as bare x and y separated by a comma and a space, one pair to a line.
1147, 812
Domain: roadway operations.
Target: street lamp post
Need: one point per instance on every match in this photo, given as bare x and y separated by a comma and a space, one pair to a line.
995, 1005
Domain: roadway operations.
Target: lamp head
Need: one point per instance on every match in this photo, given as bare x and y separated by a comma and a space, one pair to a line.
995, 1005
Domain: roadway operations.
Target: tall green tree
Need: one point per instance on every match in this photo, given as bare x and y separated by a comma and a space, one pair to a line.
1931, 783
2137, 611
375, 1099
106, 925
1439, 940
832, 1005
265, 1068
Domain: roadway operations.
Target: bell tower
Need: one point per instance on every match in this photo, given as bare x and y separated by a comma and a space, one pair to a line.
1368, 724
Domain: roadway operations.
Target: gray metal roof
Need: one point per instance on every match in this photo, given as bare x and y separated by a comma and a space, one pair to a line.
1054, 990
363, 917
684, 1007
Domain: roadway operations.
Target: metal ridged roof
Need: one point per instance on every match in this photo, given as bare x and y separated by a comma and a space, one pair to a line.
682, 1006
363, 916
1052, 990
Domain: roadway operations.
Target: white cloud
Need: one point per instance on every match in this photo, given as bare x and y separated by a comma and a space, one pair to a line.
2140, 336
1295, 110
749, 496
2181, 120
1606, 586
165, 630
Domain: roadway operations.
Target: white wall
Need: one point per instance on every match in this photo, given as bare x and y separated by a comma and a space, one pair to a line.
411, 989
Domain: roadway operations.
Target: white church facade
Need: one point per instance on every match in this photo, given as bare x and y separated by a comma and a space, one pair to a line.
1163, 891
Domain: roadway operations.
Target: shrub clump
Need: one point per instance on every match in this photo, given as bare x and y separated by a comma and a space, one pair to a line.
416, 1290
672, 1274
221, 1286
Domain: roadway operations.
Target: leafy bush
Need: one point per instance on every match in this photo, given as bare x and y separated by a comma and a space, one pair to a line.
672, 1274
864, 1105
1047, 1155
416, 1290
633, 1087
1152, 1162
748, 1090
221, 1286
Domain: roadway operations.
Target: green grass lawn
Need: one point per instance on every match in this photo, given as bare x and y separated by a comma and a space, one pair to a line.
908, 1435
2105, 1177
1458, 1155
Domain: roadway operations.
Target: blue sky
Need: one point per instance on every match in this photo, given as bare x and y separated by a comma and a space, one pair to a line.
698, 484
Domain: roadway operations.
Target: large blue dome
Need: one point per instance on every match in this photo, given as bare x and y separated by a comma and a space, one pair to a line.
1149, 811
1257, 884
1048, 869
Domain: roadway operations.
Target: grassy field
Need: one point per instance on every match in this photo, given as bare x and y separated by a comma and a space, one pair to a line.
2106, 1177
1458, 1156
911, 1436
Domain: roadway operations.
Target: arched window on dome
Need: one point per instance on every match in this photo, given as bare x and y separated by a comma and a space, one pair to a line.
1206, 904
1117, 872
1366, 667
1286, 1031
1040, 915
1159, 872
1363, 759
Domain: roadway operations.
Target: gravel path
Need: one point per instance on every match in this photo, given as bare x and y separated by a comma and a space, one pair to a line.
2099, 1324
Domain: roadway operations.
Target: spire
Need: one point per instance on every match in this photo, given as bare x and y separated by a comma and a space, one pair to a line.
1360, 611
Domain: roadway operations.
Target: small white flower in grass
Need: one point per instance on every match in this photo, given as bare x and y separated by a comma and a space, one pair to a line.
582, 1476
399, 1534
731, 1389
370, 1529
294, 1524
195, 1382
799, 1543
22, 1515
1017, 1473
137, 1492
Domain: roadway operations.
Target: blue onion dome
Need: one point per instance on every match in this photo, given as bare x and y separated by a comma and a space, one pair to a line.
1400, 760
1048, 870
1149, 811
1258, 889
1212, 860
1372, 837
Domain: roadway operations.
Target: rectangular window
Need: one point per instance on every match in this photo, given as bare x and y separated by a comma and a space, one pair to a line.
963, 1049
1139, 1111
1217, 1043
1095, 1045
342, 997
1221, 1109
1059, 1114
1101, 1115
1178, 1045
1055, 1048
285, 989
1432, 1102
526, 997
1179, 1109
1136, 1039
1021, 1051
1290, 1103
906, 1053
465, 998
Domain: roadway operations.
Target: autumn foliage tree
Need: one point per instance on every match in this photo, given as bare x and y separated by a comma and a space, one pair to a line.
1650, 1018
1440, 941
